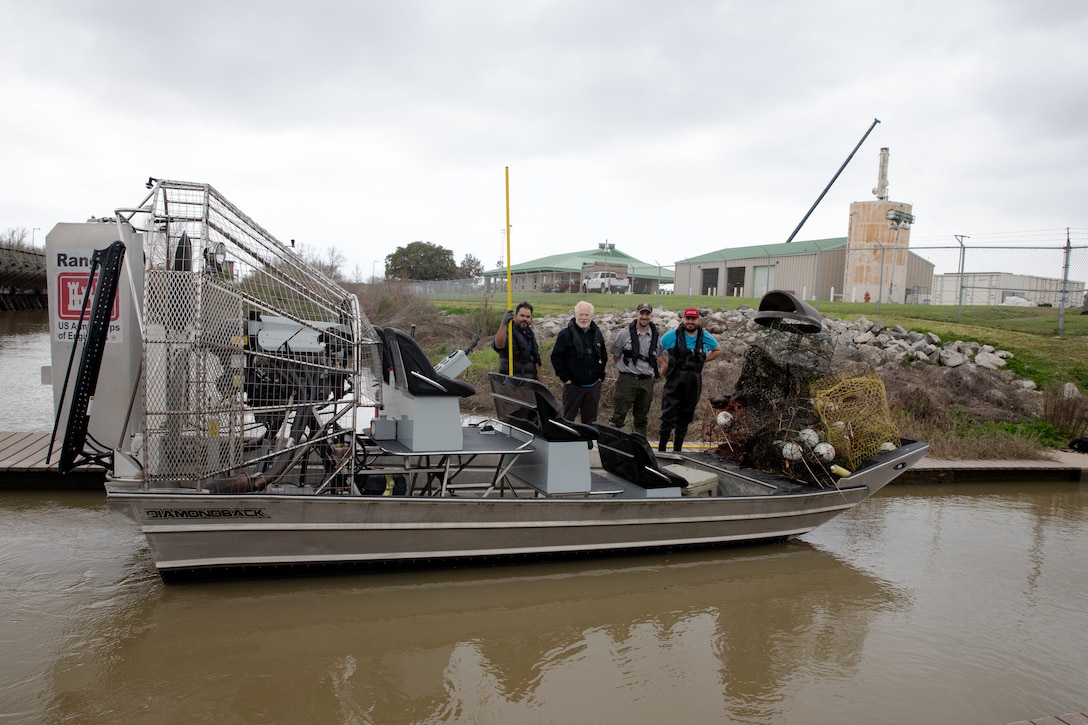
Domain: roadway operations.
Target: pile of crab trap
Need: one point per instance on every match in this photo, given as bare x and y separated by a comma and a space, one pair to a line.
792, 414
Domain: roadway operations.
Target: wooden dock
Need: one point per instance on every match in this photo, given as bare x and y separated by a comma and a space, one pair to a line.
23, 465
1070, 718
1064, 466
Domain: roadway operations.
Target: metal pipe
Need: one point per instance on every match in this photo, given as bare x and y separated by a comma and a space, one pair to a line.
833, 179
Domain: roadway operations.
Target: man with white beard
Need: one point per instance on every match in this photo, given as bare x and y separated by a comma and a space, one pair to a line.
580, 358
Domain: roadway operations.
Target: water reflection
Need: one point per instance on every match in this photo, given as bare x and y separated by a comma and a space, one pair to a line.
67, 568
707, 633
27, 405
926, 604
999, 601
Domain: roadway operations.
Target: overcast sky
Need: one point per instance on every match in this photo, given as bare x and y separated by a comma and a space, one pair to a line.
671, 129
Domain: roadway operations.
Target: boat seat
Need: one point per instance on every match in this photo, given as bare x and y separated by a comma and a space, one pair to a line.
424, 403
529, 405
386, 355
558, 464
413, 371
629, 456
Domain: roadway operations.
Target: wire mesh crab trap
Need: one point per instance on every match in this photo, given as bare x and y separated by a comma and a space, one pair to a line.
791, 414
254, 362
771, 420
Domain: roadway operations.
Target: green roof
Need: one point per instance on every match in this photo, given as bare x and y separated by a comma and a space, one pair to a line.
768, 250
574, 262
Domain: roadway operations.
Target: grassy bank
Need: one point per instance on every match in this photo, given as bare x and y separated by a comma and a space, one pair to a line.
1030, 333
959, 414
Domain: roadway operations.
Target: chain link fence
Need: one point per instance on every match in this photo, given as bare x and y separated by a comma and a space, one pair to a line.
1048, 268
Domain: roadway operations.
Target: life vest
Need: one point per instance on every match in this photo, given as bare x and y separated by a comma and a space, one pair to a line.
577, 340
681, 357
526, 354
633, 352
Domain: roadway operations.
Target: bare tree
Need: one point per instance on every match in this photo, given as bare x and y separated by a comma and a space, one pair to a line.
334, 260
329, 262
16, 237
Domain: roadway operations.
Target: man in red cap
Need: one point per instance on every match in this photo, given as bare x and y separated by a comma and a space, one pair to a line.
686, 350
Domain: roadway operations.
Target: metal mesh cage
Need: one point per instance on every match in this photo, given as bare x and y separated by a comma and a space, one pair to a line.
254, 362
770, 421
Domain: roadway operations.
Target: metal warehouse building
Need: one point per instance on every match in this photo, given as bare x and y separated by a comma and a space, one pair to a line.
872, 263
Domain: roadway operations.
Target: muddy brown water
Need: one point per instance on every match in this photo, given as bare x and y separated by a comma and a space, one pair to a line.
950, 604
923, 605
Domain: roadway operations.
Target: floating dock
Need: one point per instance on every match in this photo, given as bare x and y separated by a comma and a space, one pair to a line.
1063, 466
23, 464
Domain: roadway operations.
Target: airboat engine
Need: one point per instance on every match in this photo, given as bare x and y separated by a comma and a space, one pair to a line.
224, 357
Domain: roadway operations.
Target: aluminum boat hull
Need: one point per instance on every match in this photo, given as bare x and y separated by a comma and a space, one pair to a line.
192, 533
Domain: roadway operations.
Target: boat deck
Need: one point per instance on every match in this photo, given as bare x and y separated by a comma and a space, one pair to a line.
23, 465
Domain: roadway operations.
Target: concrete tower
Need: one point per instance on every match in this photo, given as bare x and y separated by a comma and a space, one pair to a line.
877, 241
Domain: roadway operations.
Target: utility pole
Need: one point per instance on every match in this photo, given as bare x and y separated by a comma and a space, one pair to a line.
959, 305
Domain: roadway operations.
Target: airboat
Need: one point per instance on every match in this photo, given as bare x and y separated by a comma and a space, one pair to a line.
254, 422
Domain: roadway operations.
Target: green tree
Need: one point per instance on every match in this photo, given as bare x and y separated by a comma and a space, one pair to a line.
470, 267
421, 261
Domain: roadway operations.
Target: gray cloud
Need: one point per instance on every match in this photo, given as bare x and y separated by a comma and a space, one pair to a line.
670, 128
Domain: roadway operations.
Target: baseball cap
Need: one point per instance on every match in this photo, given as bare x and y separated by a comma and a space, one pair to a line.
691, 312
644, 307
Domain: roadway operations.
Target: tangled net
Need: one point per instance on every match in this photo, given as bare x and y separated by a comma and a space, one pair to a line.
791, 415
853, 408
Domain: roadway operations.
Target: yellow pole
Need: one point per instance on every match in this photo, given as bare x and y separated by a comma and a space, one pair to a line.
509, 289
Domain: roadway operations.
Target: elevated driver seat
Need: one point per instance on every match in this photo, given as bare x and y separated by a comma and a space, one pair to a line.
424, 403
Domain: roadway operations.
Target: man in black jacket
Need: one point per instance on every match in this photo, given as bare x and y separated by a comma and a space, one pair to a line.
526, 351
580, 358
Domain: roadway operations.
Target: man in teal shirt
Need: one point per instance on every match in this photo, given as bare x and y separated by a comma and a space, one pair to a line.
686, 350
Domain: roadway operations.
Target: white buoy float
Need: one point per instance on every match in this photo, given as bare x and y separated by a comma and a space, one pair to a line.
792, 451
809, 437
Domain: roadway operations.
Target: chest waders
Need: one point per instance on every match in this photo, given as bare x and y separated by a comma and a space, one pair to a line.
683, 386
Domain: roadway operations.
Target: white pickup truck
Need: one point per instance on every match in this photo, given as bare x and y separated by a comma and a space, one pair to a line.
605, 282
